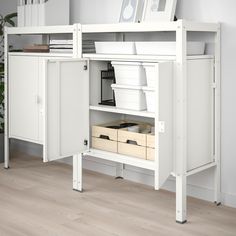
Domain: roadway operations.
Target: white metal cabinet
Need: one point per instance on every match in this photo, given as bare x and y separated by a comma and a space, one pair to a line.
49, 104
66, 124
194, 149
24, 98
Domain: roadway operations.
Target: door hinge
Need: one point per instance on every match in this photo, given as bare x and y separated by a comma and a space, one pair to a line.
85, 142
214, 86
161, 127
85, 67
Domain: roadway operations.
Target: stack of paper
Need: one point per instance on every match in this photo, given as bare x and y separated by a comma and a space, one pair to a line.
66, 46
61, 46
88, 46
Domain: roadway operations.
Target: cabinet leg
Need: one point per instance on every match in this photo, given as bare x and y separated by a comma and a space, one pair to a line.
156, 180
6, 152
217, 183
181, 199
119, 171
77, 172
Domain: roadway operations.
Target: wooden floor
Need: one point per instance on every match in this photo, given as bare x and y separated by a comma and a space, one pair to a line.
37, 199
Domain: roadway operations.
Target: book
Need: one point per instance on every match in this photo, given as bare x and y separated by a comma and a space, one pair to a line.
36, 48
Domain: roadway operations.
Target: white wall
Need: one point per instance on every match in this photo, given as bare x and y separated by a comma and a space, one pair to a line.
107, 11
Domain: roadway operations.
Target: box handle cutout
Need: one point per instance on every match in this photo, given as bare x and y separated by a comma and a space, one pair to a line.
132, 142
104, 137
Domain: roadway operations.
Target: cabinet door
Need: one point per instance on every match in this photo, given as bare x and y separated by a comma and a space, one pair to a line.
66, 124
164, 123
23, 98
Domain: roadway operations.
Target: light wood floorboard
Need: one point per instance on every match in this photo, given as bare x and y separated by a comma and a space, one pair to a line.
36, 199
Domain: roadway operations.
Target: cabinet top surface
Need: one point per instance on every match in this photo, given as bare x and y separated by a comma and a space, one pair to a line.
118, 27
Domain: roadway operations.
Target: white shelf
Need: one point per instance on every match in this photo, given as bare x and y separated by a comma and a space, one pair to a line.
147, 58
122, 111
37, 30
109, 156
117, 28
150, 27
46, 54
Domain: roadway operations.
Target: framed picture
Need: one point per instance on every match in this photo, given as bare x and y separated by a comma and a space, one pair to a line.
131, 11
159, 10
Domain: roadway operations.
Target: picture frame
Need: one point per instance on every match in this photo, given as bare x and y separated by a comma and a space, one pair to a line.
131, 11
159, 10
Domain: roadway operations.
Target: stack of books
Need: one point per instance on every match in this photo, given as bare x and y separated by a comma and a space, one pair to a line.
61, 46
88, 46
66, 46
36, 48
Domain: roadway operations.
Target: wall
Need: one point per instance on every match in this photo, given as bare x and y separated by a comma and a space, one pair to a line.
107, 11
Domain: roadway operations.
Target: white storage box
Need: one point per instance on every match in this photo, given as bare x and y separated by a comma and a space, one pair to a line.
115, 48
41, 13
129, 73
151, 74
168, 48
150, 98
129, 97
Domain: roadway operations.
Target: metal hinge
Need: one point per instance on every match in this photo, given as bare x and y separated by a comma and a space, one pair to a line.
161, 127
85, 67
85, 142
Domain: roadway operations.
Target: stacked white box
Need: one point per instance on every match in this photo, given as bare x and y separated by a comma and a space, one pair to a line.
129, 97
150, 94
42, 13
129, 73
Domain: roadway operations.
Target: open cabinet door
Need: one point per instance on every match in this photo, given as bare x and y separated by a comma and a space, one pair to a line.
164, 124
66, 105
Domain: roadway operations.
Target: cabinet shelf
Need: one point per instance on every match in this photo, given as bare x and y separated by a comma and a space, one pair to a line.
109, 156
45, 54
122, 111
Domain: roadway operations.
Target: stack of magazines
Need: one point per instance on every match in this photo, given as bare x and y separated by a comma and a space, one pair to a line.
66, 46
36, 48
61, 46
88, 46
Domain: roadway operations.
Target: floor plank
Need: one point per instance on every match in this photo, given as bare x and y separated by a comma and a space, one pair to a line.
37, 199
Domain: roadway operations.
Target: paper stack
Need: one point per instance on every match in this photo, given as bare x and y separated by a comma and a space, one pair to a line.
61, 46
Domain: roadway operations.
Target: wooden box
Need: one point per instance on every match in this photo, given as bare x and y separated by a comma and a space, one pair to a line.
133, 144
105, 136
151, 147
105, 145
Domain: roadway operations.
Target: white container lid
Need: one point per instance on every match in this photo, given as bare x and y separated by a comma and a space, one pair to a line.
117, 86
